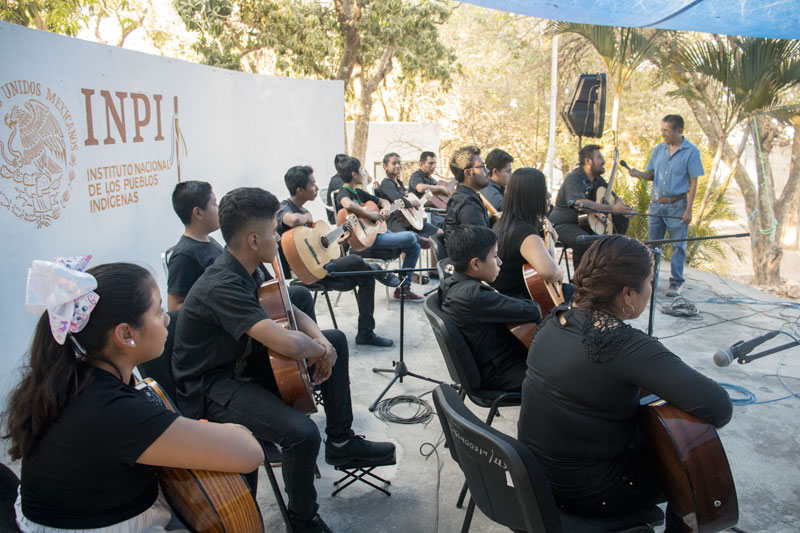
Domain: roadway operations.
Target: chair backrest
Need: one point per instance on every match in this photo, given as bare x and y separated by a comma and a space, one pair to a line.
503, 476
165, 260
437, 242
444, 268
160, 369
457, 355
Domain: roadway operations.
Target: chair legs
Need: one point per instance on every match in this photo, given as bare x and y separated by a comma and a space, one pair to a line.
276, 489
330, 308
468, 516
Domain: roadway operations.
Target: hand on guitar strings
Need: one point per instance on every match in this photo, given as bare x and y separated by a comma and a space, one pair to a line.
348, 229
323, 365
375, 216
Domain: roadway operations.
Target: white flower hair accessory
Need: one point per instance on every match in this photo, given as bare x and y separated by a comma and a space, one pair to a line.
65, 291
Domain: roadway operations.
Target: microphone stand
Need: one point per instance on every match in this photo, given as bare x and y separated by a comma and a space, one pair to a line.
400, 369
744, 359
655, 247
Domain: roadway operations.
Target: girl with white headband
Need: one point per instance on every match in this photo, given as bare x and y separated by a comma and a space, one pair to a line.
89, 441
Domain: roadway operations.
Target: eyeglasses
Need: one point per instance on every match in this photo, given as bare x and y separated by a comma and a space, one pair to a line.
479, 167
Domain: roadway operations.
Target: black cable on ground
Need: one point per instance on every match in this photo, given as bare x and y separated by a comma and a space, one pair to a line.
423, 415
435, 450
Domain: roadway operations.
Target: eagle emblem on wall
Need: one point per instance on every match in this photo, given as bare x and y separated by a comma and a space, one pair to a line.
36, 170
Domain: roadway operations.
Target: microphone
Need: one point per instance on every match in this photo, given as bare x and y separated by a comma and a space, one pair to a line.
623, 164
583, 239
726, 356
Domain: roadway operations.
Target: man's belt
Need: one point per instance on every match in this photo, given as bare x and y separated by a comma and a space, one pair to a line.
670, 199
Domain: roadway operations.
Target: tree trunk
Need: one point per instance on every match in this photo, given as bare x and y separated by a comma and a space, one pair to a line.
712, 176
361, 117
615, 114
765, 237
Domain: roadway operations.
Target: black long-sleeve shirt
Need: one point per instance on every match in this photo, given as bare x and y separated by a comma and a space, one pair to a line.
464, 207
581, 393
481, 313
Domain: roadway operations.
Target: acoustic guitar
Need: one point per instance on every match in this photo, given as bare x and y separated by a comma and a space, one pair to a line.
414, 217
548, 295
309, 249
205, 501
291, 375
494, 214
692, 462
439, 200
366, 231
602, 223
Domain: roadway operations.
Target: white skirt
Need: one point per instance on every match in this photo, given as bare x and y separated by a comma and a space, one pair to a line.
155, 519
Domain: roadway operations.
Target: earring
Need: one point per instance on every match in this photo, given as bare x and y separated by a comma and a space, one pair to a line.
626, 310
132, 343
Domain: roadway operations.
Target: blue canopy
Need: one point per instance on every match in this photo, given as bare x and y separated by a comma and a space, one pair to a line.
754, 18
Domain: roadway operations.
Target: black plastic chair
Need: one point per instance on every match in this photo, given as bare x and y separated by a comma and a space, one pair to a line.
444, 268
507, 483
439, 249
464, 371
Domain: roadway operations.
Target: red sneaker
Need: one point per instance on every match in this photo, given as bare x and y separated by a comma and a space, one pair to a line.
409, 295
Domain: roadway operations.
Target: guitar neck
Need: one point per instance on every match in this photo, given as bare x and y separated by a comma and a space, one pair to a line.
609, 189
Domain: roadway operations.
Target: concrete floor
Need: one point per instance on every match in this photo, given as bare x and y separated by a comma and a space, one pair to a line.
762, 441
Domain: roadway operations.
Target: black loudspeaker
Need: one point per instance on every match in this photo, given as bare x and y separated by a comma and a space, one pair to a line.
585, 114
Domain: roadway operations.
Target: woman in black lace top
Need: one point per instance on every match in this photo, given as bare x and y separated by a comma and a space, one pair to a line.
586, 369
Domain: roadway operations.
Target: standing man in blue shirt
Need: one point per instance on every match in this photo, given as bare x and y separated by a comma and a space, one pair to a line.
673, 168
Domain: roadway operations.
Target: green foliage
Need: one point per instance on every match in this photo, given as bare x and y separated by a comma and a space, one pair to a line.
310, 39
700, 254
735, 78
60, 16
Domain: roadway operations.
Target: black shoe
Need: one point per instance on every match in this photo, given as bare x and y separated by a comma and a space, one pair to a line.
315, 525
374, 340
358, 450
273, 454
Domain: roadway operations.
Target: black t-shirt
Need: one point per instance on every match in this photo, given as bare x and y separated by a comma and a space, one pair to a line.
510, 280
464, 207
211, 340
581, 393
419, 177
360, 196
82, 473
576, 186
285, 208
188, 261
481, 313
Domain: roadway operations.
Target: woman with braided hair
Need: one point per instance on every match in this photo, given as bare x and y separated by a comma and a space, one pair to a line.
586, 371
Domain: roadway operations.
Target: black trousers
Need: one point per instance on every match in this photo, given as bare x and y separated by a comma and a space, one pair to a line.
259, 408
365, 284
569, 233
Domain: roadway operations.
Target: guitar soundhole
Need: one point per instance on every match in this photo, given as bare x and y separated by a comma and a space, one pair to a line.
324, 242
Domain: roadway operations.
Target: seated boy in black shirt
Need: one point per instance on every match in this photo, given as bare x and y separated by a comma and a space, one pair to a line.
303, 188
481, 312
196, 205
222, 371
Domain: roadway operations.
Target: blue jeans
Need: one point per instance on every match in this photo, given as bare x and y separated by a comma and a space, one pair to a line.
406, 241
677, 230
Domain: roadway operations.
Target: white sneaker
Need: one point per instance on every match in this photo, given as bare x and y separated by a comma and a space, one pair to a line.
674, 290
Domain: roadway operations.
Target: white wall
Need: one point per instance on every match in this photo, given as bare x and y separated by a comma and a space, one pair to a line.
239, 130
408, 139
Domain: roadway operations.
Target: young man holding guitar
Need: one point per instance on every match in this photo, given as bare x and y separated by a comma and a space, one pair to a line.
291, 214
483, 314
220, 362
579, 189
352, 200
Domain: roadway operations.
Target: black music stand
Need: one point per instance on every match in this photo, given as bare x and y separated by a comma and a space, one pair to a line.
400, 369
